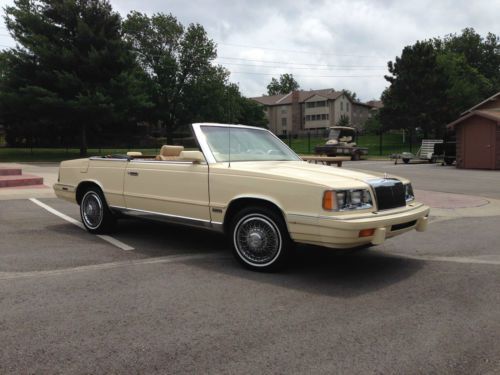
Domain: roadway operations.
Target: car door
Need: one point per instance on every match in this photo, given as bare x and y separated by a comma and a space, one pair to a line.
170, 188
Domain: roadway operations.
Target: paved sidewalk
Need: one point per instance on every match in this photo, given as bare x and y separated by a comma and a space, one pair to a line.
46, 170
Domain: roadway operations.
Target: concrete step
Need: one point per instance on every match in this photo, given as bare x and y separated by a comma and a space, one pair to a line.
10, 172
20, 180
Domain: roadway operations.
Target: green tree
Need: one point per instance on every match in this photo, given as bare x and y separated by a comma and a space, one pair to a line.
415, 97
71, 71
466, 86
373, 125
284, 85
251, 113
481, 54
344, 121
434, 81
351, 95
184, 84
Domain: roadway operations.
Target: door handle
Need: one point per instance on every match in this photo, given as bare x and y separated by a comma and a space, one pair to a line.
132, 173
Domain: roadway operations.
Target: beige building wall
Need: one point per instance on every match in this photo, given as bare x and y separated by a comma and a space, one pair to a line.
311, 116
342, 106
280, 119
360, 114
316, 112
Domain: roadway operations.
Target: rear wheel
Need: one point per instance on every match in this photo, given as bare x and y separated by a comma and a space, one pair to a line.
406, 161
260, 239
356, 156
95, 213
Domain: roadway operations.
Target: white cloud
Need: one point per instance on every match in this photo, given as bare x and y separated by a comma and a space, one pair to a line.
334, 32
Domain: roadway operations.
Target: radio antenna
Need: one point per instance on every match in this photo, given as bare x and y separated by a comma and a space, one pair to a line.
229, 132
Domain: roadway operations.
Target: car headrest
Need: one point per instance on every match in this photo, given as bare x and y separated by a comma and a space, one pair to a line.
169, 150
134, 153
194, 156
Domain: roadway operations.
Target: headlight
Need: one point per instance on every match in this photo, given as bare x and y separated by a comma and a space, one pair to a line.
342, 200
409, 196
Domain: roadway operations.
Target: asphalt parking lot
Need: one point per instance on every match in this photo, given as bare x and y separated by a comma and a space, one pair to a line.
175, 301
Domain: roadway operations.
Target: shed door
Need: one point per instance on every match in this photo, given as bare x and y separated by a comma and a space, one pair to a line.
479, 145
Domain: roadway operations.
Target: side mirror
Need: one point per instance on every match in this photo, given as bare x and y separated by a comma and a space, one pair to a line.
196, 157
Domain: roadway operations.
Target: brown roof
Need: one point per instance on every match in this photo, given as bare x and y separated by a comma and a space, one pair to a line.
268, 100
375, 103
491, 114
491, 98
362, 104
303, 96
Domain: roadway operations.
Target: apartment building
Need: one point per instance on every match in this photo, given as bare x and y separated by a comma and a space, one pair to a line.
301, 111
361, 112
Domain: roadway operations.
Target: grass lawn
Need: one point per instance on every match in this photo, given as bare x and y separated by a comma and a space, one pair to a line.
391, 143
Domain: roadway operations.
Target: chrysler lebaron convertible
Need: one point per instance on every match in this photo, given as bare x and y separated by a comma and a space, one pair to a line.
245, 182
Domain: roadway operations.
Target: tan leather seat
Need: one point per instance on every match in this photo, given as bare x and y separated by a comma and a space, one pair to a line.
192, 156
169, 152
134, 153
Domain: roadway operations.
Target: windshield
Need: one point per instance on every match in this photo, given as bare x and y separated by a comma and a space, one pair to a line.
336, 133
245, 144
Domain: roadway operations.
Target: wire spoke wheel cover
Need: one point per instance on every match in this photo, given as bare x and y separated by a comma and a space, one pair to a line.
257, 240
92, 210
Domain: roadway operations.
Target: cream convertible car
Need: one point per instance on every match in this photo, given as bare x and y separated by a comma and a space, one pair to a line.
245, 182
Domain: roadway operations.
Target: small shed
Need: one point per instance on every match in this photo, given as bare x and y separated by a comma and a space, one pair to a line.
478, 135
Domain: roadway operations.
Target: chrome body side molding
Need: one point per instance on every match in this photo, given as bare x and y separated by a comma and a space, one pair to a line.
102, 158
172, 219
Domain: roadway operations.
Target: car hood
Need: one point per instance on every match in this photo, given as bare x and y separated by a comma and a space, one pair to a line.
303, 172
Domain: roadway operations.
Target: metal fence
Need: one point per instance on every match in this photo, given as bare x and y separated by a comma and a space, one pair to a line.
378, 145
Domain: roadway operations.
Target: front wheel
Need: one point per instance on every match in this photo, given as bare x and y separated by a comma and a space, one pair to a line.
260, 239
95, 214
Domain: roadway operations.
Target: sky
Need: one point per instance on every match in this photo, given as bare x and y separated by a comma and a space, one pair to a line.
324, 44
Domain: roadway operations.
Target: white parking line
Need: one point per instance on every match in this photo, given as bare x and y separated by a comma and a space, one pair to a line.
451, 259
109, 239
105, 266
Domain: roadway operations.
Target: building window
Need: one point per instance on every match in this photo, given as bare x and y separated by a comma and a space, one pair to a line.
316, 104
284, 109
341, 106
283, 122
347, 106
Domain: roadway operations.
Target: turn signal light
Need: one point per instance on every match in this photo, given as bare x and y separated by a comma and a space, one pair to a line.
367, 232
329, 200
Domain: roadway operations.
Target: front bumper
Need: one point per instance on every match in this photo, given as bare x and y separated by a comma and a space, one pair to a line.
344, 232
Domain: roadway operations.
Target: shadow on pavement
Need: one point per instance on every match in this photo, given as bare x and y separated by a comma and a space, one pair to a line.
152, 238
313, 269
324, 271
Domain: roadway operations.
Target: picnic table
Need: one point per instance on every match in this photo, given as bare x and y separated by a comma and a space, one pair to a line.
327, 160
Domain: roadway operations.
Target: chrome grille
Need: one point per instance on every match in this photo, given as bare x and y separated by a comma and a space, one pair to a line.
389, 193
